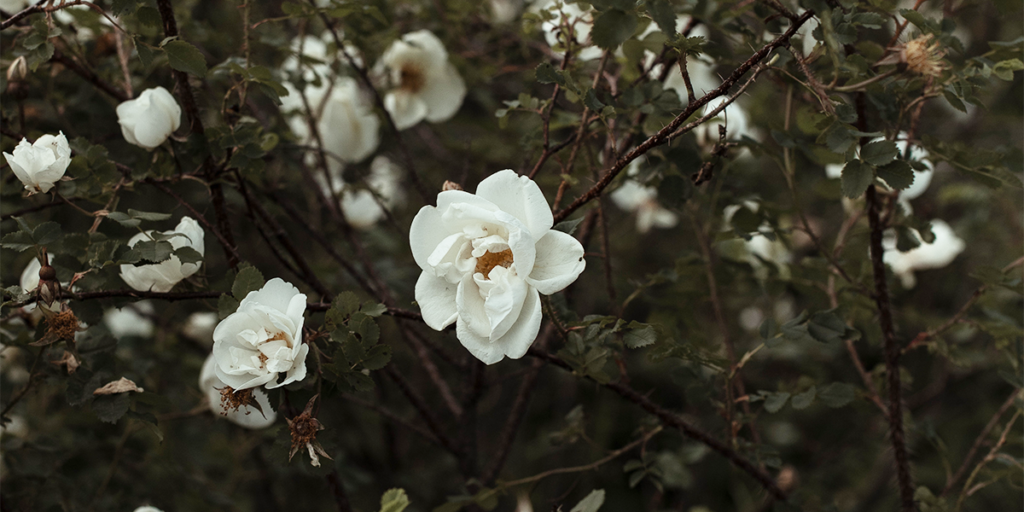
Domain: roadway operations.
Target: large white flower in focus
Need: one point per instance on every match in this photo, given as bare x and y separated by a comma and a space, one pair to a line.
161, 277
263, 339
42, 163
148, 120
427, 86
245, 416
486, 257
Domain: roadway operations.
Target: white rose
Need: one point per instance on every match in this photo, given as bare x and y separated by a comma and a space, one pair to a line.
262, 339
148, 120
941, 252
245, 416
348, 127
161, 277
130, 320
427, 85
41, 164
485, 258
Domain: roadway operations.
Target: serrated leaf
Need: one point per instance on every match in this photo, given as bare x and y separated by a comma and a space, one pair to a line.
183, 56
775, 402
358, 381
46, 233
17, 241
188, 255
377, 357
110, 408
639, 335
662, 14
837, 394
613, 27
343, 305
148, 215
124, 219
226, 305
547, 74
149, 251
803, 400
897, 174
394, 500
373, 308
856, 178
591, 503
248, 280
879, 152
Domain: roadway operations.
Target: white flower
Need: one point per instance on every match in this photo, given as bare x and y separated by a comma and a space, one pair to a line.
348, 128
161, 277
148, 508
941, 252
485, 258
581, 21
359, 205
30, 276
504, 11
148, 120
130, 320
921, 178
634, 197
245, 416
200, 325
427, 86
41, 164
759, 249
14, 6
262, 339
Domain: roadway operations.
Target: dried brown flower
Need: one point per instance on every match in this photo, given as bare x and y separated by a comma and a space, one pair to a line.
232, 400
304, 428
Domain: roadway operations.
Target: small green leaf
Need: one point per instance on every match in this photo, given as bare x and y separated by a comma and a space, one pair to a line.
149, 251
837, 394
394, 500
639, 335
857, 177
110, 408
17, 241
46, 233
591, 101
591, 503
897, 174
803, 400
188, 255
124, 219
343, 305
183, 56
662, 14
879, 153
1004, 70
248, 280
613, 27
377, 357
775, 402
547, 74
135, 214
226, 305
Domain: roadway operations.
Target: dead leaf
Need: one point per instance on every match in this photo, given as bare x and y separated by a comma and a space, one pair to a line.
118, 386
69, 360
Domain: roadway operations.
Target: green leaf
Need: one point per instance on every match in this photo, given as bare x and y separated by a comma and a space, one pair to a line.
146, 53
110, 408
591, 503
226, 305
837, 394
17, 241
803, 400
343, 305
547, 74
1004, 70
135, 214
826, 326
953, 100
662, 14
775, 402
639, 335
879, 153
897, 174
46, 233
377, 357
591, 101
188, 255
248, 280
613, 27
394, 500
149, 251
183, 56
857, 177
122, 7
124, 219
373, 308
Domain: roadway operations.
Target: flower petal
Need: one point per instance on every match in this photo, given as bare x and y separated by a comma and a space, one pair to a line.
436, 297
425, 234
471, 308
277, 294
297, 371
504, 300
559, 262
443, 93
406, 109
480, 346
517, 341
519, 196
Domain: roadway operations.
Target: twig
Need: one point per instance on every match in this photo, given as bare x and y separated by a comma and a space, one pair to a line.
216, 232
89, 76
968, 490
338, 492
383, 411
952, 480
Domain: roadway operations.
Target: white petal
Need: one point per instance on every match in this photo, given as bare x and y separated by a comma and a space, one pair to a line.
523, 333
504, 301
559, 262
443, 94
280, 295
425, 234
471, 308
519, 196
406, 109
436, 298
480, 346
151, 131
297, 371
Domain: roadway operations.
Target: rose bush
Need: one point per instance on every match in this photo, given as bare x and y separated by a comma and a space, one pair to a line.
161, 277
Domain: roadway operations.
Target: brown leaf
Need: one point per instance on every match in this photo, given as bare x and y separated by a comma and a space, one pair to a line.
69, 360
118, 386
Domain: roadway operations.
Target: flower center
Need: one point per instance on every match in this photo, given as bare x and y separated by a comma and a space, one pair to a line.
489, 260
411, 78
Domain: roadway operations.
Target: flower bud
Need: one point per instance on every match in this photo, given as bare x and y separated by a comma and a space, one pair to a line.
148, 120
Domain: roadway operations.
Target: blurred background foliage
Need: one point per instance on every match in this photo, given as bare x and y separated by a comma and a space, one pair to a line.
711, 291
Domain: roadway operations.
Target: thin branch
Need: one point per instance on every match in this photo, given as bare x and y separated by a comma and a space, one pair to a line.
952, 480
89, 76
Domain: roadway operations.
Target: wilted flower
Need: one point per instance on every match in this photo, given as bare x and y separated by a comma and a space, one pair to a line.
427, 86
924, 56
485, 259
148, 120
360, 206
161, 277
130, 320
941, 252
263, 339
248, 416
634, 197
40, 164
581, 20
303, 429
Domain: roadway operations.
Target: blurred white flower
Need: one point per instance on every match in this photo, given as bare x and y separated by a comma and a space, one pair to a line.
941, 252
581, 20
30, 276
504, 11
17, 427
262, 339
130, 320
701, 72
200, 325
244, 416
148, 120
348, 127
922, 178
631, 196
161, 277
148, 508
359, 205
13, 6
759, 249
427, 85
41, 164
486, 257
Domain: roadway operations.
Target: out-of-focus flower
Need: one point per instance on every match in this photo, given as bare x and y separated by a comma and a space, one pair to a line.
130, 320
161, 277
941, 252
759, 249
581, 20
13, 6
148, 508
200, 325
427, 85
924, 56
17, 427
701, 72
247, 416
262, 339
359, 204
148, 120
42, 163
486, 257
922, 178
634, 197
504, 11
348, 127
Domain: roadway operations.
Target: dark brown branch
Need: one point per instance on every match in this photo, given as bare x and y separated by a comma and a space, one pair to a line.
952, 481
383, 411
36, 208
515, 418
421, 407
89, 76
674, 421
669, 130
338, 492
